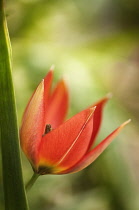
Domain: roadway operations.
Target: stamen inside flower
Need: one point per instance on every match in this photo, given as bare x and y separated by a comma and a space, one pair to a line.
48, 128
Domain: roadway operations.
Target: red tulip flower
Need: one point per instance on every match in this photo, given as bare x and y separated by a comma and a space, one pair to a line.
54, 146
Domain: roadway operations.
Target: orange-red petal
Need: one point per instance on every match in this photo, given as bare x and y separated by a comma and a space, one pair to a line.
47, 85
32, 124
57, 106
98, 118
66, 145
94, 153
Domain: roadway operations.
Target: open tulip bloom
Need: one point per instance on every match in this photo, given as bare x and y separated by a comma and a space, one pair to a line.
54, 146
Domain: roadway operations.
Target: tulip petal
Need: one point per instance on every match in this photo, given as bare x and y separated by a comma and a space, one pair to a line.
98, 118
94, 153
57, 105
47, 85
64, 146
32, 124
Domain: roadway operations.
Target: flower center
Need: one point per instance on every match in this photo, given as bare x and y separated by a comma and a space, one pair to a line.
42, 170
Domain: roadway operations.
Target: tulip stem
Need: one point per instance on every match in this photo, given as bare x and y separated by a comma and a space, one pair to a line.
31, 181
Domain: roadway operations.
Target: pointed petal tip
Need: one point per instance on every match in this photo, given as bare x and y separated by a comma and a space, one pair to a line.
40, 86
63, 81
106, 98
52, 68
125, 123
109, 95
92, 109
65, 77
103, 101
49, 75
48, 78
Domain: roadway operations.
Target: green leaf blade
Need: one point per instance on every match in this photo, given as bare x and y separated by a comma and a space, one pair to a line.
14, 193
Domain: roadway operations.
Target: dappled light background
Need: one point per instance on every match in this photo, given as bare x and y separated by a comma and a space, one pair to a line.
94, 45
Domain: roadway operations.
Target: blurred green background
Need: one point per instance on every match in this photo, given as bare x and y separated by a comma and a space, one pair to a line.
94, 44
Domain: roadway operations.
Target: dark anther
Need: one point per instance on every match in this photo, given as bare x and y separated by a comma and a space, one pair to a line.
48, 128
44, 170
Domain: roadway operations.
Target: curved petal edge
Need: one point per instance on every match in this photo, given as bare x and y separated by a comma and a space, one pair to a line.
94, 153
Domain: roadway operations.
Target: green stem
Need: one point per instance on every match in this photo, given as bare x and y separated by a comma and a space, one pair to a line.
32, 181
14, 192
